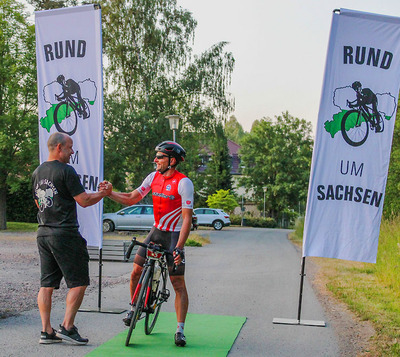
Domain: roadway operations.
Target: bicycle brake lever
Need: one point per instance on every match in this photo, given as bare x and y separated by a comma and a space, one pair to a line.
130, 248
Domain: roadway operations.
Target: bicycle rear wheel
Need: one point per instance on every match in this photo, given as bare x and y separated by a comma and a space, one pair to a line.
65, 118
139, 304
158, 297
354, 128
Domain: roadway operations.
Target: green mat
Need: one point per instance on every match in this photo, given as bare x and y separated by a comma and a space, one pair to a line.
207, 335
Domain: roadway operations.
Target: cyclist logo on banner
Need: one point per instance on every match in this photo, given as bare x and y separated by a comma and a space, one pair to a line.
361, 111
68, 101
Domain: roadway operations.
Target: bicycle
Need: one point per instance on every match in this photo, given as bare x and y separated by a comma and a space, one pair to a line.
151, 291
357, 122
67, 112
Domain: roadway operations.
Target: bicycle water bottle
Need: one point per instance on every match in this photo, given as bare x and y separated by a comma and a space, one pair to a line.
156, 276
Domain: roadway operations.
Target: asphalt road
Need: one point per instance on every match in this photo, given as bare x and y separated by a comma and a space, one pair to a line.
244, 272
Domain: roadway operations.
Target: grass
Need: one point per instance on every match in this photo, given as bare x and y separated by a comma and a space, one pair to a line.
194, 240
371, 291
21, 227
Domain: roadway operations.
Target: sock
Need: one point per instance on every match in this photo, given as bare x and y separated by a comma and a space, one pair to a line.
180, 327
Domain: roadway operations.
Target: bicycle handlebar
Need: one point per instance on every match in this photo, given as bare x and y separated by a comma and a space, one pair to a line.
152, 246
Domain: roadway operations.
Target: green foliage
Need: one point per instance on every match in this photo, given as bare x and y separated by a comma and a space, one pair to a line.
222, 199
18, 101
277, 155
218, 171
250, 221
20, 204
192, 243
391, 206
234, 130
151, 73
52, 4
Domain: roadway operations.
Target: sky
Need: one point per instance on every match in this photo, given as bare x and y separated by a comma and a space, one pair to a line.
279, 47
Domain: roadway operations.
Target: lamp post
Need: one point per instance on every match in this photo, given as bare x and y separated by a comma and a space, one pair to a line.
173, 124
265, 190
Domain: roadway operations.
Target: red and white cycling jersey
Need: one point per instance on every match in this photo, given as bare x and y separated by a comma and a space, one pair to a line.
170, 195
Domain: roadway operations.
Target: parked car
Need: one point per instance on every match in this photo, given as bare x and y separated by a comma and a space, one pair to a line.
212, 217
136, 217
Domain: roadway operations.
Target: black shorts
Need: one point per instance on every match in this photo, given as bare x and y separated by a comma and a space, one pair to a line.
168, 241
63, 256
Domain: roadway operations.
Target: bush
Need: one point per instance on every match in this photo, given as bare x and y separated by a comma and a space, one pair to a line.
251, 221
20, 205
192, 243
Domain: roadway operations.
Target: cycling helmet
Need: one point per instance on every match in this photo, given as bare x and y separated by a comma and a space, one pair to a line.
60, 79
356, 85
172, 149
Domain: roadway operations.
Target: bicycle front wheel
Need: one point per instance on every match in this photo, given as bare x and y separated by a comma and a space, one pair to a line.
139, 304
354, 128
158, 297
65, 118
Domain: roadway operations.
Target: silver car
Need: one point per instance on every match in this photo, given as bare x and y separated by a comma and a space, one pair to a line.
213, 217
136, 217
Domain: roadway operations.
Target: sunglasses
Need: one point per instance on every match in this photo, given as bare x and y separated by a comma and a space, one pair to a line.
160, 157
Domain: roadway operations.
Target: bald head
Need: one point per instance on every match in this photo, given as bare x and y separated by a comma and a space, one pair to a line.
55, 139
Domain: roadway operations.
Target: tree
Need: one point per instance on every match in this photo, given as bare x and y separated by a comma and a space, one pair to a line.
391, 207
151, 73
18, 101
234, 130
52, 4
218, 171
222, 199
277, 155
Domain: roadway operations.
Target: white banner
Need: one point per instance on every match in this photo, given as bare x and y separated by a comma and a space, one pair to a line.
70, 96
353, 139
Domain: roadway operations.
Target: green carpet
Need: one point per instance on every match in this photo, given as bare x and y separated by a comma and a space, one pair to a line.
206, 335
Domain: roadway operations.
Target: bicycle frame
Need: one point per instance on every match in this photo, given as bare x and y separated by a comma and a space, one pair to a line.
152, 257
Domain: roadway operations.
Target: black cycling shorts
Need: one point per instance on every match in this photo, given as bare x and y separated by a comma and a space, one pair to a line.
63, 256
168, 241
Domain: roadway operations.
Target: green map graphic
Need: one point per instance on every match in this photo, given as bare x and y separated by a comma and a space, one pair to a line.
48, 121
334, 126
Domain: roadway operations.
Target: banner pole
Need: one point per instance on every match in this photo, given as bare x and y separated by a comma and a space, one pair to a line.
298, 321
302, 275
100, 274
105, 311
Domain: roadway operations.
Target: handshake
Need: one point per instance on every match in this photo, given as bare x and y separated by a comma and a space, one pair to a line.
105, 187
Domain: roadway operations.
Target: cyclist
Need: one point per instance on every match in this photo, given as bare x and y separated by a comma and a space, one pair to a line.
70, 88
366, 96
173, 208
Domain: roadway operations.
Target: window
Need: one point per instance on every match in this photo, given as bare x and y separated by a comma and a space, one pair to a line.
133, 210
147, 210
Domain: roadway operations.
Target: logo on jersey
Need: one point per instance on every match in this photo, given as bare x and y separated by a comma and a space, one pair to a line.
188, 202
142, 188
168, 187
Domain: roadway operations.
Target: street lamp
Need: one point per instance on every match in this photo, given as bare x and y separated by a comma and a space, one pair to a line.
173, 124
265, 190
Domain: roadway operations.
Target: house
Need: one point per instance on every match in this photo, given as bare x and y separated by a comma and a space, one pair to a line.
236, 172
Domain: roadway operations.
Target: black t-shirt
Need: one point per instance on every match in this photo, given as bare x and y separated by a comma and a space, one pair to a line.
54, 186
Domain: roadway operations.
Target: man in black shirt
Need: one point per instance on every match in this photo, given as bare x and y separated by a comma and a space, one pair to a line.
62, 250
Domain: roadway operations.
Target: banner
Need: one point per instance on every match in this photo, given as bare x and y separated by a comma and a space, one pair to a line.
353, 138
70, 97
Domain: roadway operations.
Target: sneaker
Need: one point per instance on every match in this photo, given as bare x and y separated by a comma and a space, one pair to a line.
47, 338
180, 339
71, 335
128, 318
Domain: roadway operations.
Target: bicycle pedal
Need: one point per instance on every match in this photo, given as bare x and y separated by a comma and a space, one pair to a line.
165, 295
